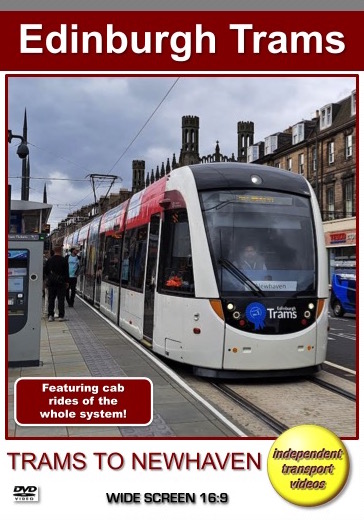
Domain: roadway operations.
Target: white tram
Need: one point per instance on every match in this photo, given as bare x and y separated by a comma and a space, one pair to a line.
170, 267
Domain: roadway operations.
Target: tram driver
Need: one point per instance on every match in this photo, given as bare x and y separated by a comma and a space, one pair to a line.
251, 260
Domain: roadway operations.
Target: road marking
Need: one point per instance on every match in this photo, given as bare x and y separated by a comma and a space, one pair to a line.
342, 335
344, 369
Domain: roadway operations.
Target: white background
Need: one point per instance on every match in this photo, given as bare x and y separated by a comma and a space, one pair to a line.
82, 494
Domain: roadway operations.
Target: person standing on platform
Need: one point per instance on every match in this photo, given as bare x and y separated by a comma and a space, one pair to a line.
56, 272
73, 269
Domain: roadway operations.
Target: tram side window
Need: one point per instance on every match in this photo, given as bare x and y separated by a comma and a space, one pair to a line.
99, 260
176, 271
133, 258
111, 265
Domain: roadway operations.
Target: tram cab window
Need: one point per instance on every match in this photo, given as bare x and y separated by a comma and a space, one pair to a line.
280, 228
134, 257
176, 270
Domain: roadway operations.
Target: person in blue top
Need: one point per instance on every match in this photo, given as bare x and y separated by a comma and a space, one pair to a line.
73, 269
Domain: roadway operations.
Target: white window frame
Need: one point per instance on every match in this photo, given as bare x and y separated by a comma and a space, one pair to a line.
331, 150
349, 146
353, 102
314, 159
270, 144
253, 153
301, 163
289, 164
326, 116
330, 202
298, 132
349, 198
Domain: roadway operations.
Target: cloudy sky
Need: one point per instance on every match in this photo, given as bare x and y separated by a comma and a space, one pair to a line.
79, 126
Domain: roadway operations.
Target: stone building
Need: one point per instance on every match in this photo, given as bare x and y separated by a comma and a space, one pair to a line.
323, 149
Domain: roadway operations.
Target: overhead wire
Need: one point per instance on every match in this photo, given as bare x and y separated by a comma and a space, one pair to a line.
142, 127
116, 162
145, 124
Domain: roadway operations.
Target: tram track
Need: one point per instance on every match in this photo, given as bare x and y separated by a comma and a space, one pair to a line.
266, 408
275, 425
333, 388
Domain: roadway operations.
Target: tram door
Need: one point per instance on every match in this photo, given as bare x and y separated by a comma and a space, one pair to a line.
151, 277
98, 273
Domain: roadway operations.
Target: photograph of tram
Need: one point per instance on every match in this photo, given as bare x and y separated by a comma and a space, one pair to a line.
220, 266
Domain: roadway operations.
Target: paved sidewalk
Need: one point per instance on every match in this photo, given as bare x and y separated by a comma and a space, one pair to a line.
87, 346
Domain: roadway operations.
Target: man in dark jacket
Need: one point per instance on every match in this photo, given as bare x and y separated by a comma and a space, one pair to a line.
56, 272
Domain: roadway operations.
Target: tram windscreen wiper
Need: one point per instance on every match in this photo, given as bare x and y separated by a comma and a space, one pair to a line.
241, 276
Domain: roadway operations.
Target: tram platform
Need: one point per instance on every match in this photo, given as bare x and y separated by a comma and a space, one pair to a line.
88, 346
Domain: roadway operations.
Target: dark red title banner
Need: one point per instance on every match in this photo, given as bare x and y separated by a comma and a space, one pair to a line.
86, 401
181, 41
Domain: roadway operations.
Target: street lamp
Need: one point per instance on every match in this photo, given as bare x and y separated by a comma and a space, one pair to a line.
22, 150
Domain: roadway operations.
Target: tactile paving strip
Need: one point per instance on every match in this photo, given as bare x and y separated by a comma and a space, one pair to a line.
102, 364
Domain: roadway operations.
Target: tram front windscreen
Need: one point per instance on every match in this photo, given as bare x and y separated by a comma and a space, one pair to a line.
261, 241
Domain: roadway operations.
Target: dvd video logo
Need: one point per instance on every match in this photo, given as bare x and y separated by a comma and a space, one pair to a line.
25, 494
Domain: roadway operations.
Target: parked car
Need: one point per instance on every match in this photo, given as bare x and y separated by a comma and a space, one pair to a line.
343, 292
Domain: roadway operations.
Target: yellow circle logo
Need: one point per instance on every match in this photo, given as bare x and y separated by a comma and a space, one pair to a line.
308, 465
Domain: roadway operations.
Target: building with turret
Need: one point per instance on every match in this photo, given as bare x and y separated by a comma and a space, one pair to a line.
190, 149
323, 149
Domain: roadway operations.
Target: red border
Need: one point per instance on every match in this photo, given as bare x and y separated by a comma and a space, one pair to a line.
226, 56
357, 246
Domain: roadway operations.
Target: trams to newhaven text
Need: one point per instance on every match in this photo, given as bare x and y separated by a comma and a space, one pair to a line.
221, 266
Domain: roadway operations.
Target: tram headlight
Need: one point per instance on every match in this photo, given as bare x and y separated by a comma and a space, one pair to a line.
256, 179
311, 306
230, 307
307, 314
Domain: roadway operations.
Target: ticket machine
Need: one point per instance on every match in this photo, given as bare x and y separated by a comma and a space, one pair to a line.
25, 280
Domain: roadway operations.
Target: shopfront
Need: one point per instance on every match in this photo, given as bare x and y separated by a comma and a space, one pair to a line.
340, 239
